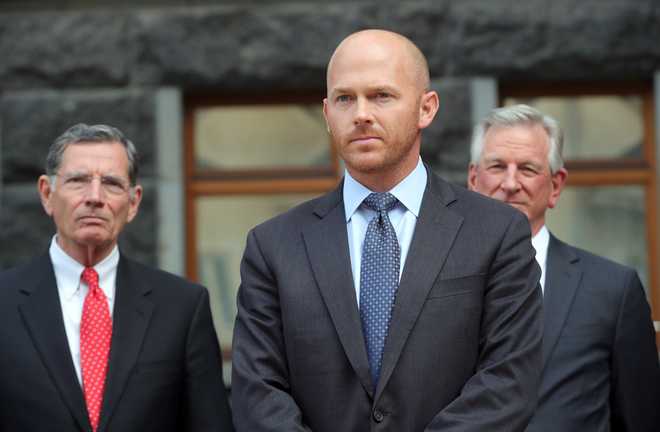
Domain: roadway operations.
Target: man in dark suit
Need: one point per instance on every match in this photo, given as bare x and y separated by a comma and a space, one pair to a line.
600, 365
90, 340
334, 332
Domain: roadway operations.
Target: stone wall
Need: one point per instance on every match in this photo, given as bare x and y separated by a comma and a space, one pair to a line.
103, 66
286, 45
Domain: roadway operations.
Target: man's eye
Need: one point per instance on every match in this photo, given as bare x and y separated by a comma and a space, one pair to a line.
343, 98
78, 179
383, 95
113, 184
528, 170
110, 182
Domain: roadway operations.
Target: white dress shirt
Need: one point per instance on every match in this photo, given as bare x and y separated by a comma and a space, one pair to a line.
403, 216
540, 242
72, 292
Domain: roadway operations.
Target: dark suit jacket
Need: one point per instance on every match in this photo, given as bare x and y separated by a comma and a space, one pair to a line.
464, 346
600, 368
164, 371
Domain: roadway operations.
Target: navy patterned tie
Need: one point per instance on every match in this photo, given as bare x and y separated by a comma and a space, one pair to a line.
379, 278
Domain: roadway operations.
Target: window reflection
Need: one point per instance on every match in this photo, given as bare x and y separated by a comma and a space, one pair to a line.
222, 226
261, 136
595, 127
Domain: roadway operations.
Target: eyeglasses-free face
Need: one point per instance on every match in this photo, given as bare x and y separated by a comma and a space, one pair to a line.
514, 168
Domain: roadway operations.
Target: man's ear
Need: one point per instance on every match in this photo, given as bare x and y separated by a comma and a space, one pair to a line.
325, 114
558, 182
135, 199
45, 193
472, 177
428, 107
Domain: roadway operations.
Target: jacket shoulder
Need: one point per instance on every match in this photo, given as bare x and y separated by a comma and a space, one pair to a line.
27, 273
600, 275
590, 261
483, 211
16, 279
468, 198
301, 214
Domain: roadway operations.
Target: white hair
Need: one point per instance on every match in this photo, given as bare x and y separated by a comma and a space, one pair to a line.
517, 115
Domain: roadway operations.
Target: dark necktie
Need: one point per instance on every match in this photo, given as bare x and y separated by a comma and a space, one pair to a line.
95, 337
379, 278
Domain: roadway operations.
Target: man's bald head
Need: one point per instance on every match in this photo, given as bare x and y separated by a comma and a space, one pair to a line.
377, 104
394, 42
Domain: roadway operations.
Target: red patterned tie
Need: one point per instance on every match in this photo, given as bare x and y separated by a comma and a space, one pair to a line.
95, 336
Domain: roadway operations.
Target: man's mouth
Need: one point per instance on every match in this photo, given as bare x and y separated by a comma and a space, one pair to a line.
367, 139
91, 219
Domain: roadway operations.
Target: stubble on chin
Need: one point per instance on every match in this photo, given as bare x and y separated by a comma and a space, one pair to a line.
365, 163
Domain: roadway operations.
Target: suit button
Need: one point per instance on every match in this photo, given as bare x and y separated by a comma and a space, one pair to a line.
378, 416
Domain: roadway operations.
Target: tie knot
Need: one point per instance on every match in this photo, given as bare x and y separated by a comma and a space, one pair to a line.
90, 277
380, 201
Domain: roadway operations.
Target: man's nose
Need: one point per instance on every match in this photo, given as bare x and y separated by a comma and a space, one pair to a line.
510, 182
363, 113
95, 193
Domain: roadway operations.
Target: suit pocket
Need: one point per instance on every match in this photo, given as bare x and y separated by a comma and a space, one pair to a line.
446, 288
457, 304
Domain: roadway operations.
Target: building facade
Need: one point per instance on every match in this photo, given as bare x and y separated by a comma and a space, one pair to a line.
223, 101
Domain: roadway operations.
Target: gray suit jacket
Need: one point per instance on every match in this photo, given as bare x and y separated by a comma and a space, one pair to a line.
463, 351
164, 371
600, 368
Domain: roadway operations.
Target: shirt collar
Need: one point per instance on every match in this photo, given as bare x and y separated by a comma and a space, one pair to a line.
68, 270
540, 242
409, 191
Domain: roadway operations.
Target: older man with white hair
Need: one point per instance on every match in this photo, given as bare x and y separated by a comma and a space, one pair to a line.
600, 366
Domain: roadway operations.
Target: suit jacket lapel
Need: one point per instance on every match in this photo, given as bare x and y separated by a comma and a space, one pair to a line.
43, 317
562, 280
327, 248
434, 235
131, 316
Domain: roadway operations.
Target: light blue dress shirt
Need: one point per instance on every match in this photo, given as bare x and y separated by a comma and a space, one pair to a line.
403, 217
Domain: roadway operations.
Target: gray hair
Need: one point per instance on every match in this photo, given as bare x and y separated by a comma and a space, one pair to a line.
517, 115
96, 133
